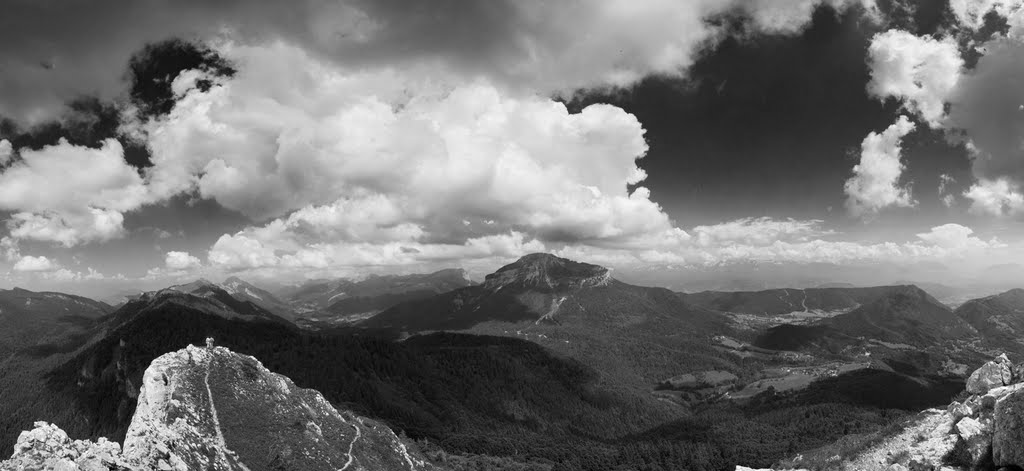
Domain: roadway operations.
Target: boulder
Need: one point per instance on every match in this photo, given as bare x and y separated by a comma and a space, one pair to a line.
1008, 433
977, 435
993, 374
959, 410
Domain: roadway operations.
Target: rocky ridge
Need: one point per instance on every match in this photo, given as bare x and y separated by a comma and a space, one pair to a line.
210, 408
547, 272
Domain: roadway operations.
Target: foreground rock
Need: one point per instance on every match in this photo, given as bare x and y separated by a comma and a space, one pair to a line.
991, 375
48, 447
1008, 437
212, 409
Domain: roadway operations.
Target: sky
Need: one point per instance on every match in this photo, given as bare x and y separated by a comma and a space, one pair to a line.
686, 144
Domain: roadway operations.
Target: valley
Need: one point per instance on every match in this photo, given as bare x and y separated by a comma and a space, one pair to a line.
584, 371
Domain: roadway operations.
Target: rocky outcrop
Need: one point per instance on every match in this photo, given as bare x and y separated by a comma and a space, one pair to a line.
48, 447
993, 374
209, 408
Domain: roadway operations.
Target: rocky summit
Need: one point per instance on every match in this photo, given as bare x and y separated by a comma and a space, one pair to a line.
212, 409
547, 272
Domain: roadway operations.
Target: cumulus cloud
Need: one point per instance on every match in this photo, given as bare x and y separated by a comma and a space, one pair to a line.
920, 71
995, 197
971, 13
757, 231
255, 249
875, 181
344, 155
10, 249
941, 243
984, 108
5, 151
787, 16
70, 194
29, 263
181, 261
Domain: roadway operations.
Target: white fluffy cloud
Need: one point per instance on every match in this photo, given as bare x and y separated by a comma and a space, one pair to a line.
941, 243
757, 231
5, 151
255, 249
971, 13
919, 71
181, 261
29, 263
984, 105
875, 181
70, 194
995, 197
353, 158
787, 16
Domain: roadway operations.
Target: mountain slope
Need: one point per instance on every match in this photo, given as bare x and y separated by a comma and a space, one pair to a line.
782, 301
210, 408
634, 336
545, 289
904, 317
325, 298
30, 319
202, 295
908, 315
999, 319
467, 393
245, 291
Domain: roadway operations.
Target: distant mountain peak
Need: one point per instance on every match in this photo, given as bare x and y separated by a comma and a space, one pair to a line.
546, 271
195, 287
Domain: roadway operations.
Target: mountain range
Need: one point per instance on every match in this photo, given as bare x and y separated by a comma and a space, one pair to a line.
547, 364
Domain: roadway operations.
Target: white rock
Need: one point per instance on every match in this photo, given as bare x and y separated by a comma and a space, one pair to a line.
993, 374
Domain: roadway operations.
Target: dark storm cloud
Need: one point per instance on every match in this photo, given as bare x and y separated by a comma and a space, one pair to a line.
988, 106
56, 51
88, 120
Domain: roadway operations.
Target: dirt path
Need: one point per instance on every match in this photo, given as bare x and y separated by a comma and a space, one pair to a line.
222, 448
359, 434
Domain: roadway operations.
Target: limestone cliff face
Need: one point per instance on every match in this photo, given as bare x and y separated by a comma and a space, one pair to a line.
211, 409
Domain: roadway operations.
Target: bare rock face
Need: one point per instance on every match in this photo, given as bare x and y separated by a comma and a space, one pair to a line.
993, 374
1007, 440
209, 408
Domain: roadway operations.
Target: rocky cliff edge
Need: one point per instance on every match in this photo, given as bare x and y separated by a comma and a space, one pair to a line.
212, 409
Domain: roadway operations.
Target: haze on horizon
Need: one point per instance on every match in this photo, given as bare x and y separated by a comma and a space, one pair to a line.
702, 144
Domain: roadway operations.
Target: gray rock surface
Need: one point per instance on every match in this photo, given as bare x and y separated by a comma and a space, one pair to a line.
1008, 437
211, 409
993, 374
